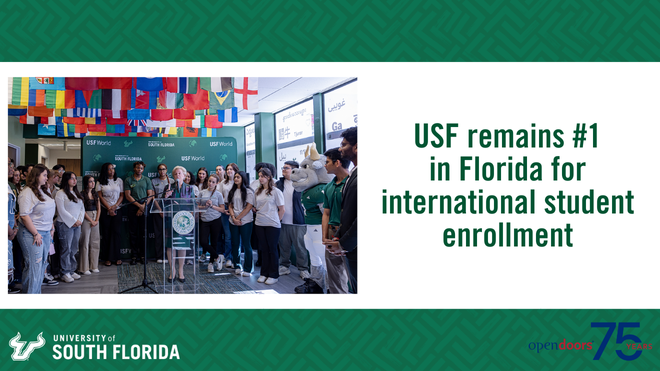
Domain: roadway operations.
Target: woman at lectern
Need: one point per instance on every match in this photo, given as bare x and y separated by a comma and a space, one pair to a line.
178, 189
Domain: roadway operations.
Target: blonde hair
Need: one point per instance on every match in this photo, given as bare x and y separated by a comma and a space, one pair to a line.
178, 167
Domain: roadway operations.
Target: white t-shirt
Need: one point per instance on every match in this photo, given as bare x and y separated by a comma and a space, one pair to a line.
41, 212
69, 212
237, 201
111, 191
217, 200
288, 202
267, 207
226, 188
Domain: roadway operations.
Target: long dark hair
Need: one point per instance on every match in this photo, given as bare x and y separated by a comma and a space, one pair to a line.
32, 181
244, 180
103, 177
205, 184
271, 183
217, 183
95, 195
236, 170
66, 187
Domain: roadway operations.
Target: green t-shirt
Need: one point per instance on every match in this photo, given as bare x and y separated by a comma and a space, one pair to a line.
332, 200
138, 188
311, 199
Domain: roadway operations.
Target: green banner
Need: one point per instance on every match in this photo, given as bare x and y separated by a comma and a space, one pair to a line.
337, 31
330, 339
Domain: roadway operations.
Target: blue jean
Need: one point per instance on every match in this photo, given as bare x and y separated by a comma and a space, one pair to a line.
35, 259
243, 232
69, 241
225, 226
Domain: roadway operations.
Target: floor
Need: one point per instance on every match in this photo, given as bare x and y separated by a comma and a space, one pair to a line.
105, 282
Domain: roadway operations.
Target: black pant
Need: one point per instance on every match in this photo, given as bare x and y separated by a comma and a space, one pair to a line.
270, 257
110, 236
158, 233
210, 229
351, 260
136, 230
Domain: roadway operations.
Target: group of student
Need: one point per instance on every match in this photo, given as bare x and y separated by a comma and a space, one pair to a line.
237, 216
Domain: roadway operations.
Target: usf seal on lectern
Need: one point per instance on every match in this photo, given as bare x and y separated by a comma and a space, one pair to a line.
183, 222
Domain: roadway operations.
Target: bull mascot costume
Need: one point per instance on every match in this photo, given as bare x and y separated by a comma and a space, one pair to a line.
310, 180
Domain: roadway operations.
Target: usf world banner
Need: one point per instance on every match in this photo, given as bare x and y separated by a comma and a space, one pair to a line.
329, 339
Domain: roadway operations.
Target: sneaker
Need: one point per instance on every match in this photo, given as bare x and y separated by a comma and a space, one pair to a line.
75, 276
48, 282
14, 290
210, 268
87, 273
229, 264
189, 261
67, 278
238, 271
284, 270
271, 281
309, 287
159, 261
49, 276
95, 271
261, 279
246, 274
220, 262
304, 275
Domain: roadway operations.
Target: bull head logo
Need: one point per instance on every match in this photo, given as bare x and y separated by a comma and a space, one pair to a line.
22, 352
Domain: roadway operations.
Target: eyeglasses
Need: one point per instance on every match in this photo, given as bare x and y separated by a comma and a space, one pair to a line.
161, 169
286, 168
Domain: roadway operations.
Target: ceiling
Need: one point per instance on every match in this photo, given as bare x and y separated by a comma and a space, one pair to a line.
275, 94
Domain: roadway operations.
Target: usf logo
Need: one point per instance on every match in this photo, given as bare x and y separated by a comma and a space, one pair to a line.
193, 143
22, 352
160, 159
223, 157
97, 158
127, 143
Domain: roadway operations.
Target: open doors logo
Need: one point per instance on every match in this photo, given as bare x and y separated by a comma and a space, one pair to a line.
23, 352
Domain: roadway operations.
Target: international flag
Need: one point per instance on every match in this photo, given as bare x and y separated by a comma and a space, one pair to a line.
161, 124
197, 101
215, 84
37, 98
144, 99
58, 99
69, 130
19, 91
47, 83
74, 120
162, 114
88, 99
228, 115
170, 100
98, 130
170, 132
139, 114
137, 123
197, 122
190, 132
116, 99
36, 120
211, 121
115, 114
184, 114
17, 110
115, 129
154, 84
115, 83
81, 83
221, 100
208, 132
82, 112
47, 130
40, 111
246, 92
186, 85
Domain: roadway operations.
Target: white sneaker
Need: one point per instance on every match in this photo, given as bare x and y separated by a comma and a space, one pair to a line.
49, 276
284, 270
210, 268
261, 279
159, 261
246, 274
304, 274
238, 271
75, 276
271, 281
95, 271
220, 262
87, 273
229, 264
67, 278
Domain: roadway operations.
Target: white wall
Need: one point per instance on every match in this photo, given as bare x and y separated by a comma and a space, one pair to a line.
55, 154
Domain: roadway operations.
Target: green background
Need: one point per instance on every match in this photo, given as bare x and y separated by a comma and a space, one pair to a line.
369, 339
375, 31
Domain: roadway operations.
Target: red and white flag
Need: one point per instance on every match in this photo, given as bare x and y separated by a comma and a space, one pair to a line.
246, 95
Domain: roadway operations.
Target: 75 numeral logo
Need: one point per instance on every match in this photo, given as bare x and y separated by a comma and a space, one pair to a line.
620, 338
